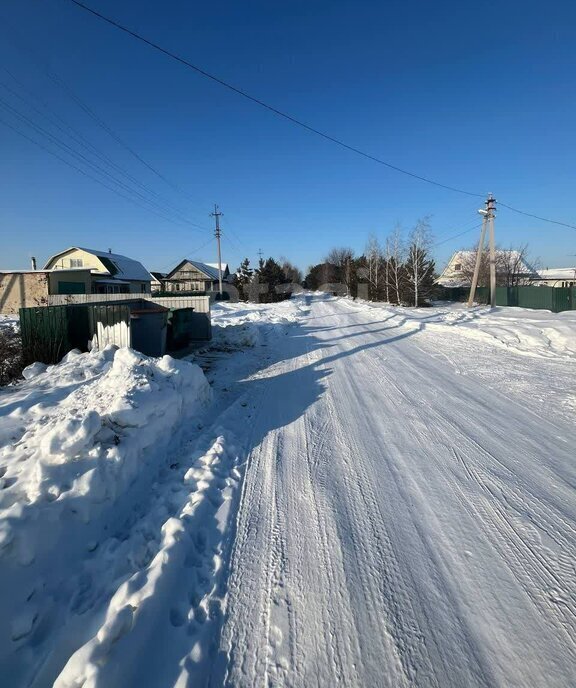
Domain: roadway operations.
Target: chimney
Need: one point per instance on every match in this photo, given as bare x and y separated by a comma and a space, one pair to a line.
109, 250
33, 261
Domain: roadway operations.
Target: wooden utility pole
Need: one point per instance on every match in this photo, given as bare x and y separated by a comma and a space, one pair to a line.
491, 208
487, 221
217, 215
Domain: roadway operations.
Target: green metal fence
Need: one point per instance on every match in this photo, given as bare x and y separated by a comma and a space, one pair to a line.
49, 332
555, 299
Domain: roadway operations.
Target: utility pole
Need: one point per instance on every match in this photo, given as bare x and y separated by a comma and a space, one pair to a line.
488, 215
260, 254
217, 215
491, 208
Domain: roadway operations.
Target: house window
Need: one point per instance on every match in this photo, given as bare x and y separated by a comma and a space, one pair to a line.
143, 288
458, 267
71, 287
76, 262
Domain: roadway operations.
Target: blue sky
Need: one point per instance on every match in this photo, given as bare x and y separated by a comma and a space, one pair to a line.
475, 95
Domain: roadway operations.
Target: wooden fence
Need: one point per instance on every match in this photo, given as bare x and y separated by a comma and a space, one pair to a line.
200, 304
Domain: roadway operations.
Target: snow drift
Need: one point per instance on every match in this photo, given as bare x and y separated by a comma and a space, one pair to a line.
77, 437
535, 333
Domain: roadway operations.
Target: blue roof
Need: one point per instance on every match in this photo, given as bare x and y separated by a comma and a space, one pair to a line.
206, 269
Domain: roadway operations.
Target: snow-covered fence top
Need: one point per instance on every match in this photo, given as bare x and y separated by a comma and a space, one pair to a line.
201, 304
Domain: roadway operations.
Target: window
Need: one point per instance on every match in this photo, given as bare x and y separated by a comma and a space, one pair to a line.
76, 262
143, 288
458, 267
71, 287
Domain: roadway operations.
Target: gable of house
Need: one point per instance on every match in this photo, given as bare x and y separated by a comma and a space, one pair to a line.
191, 275
101, 262
453, 275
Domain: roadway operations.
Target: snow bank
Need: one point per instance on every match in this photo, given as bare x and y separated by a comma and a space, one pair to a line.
75, 438
90, 444
524, 331
239, 325
176, 597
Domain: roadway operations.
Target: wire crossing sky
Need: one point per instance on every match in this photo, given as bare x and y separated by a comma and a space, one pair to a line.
382, 79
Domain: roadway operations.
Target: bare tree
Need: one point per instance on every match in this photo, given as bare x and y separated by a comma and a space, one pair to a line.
394, 269
468, 265
374, 260
291, 272
419, 265
343, 259
387, 256
512, 266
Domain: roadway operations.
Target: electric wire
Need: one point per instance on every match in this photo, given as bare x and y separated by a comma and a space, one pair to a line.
537, 217
188, 253
265, 105
455, 236
294, 120
80, 157
78, 169
60, 83
82, 141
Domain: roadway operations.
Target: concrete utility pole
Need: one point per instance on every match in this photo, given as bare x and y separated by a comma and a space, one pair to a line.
491, 208
217, 215
487, 221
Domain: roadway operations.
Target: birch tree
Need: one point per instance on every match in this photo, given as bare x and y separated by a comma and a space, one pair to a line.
374, 260
419, 265
396, 252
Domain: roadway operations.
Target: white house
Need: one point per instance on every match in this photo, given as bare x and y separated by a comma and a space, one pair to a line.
461, 264
555, 277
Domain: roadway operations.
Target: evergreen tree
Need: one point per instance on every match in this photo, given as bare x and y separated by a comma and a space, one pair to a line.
243, 278
271, 274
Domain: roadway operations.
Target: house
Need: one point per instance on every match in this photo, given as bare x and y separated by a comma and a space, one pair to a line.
157, 281
28, 288
192, 275
511, 268
111, 273
555, 277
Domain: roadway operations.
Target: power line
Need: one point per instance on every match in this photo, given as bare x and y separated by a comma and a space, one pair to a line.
537, 217
62, 145
80, 157
77, 136
112, 133
191, 253
294, 120
60, 83
455, 236
78, 169
261, 103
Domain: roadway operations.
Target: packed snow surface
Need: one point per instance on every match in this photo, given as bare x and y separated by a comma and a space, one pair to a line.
331, 493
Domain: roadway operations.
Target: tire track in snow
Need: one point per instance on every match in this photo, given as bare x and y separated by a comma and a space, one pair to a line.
441, 425
528, 563
525, 502
366, 526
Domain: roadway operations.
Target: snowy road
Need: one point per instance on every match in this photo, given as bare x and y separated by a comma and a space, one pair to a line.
367, 496
400, 524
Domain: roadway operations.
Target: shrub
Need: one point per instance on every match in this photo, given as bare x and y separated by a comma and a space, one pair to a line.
11, 361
